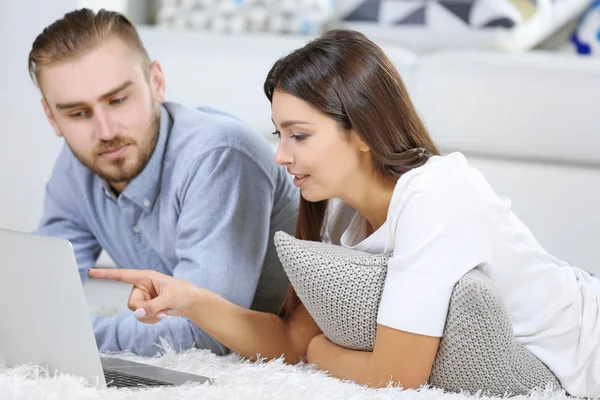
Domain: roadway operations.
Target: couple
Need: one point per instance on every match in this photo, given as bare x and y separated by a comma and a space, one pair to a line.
186, 201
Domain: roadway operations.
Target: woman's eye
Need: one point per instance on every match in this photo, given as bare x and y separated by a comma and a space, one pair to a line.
276, 133
299, 136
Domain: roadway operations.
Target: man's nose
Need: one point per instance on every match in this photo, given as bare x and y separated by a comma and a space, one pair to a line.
103, 130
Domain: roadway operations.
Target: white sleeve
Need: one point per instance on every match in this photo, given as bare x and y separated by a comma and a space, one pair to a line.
439, 233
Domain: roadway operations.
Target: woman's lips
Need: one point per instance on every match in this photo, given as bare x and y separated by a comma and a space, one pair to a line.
299, 180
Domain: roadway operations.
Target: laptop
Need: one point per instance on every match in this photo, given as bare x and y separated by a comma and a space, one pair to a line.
46, 322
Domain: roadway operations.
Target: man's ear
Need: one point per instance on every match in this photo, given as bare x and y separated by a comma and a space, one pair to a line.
50, 117
158, 84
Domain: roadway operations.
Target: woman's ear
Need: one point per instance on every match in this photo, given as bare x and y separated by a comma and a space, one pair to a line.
358, 143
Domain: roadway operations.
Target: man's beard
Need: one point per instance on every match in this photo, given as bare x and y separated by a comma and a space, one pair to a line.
118, 171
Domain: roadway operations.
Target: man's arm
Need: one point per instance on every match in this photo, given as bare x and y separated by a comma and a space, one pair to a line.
61, 219
222, 236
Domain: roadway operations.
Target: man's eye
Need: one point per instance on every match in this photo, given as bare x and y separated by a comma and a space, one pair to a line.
117, 101
78, 114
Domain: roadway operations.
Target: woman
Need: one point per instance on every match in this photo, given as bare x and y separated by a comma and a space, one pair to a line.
350, 133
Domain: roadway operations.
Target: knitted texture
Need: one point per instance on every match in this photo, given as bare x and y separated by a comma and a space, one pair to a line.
341, 289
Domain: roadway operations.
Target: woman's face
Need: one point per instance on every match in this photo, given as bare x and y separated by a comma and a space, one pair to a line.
324, 160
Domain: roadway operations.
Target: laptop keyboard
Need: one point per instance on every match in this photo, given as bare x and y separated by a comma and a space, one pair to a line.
120, 379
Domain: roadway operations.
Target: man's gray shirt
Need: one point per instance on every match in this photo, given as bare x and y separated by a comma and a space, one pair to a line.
204, 209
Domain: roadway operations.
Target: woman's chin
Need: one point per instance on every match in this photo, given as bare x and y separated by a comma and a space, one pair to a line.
312, 197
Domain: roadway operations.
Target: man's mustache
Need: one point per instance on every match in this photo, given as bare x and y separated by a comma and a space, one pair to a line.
113, 143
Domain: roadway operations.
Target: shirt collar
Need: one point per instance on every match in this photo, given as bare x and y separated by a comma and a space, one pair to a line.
144, 188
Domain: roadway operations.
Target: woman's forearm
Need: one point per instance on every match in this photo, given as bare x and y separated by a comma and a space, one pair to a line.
252, 334
372, 368
340, 362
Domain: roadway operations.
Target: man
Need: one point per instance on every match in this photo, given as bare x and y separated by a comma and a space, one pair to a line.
192, 193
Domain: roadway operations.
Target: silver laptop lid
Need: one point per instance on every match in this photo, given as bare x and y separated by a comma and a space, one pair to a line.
45, 320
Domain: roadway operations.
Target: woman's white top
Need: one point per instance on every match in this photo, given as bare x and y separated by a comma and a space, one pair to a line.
444, 219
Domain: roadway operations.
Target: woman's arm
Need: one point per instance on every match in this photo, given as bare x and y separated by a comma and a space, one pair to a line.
400, 357
253, 334
155, 296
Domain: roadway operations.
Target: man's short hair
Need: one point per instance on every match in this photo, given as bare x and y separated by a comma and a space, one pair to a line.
79, 32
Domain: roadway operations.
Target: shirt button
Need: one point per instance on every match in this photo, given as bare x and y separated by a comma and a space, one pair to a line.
136, 228
146, 203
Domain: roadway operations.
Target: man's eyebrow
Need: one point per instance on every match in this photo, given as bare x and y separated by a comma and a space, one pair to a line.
112, 92
66, 106
116, 90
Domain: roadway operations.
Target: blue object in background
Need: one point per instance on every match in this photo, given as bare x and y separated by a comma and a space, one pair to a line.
586, 37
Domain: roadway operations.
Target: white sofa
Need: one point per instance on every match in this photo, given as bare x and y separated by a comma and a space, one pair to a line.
528, 121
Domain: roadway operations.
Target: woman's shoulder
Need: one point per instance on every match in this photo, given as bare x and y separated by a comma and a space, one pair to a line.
447, 181
447, 173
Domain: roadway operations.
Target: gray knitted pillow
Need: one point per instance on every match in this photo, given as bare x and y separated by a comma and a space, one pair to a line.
341, 289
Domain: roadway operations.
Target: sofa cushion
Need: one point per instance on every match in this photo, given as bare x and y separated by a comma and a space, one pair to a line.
514, 25
533, 107
227, 72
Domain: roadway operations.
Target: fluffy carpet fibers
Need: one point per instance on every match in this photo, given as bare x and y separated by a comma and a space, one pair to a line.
235, 378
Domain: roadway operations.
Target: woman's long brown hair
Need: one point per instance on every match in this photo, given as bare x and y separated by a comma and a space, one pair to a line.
349, 78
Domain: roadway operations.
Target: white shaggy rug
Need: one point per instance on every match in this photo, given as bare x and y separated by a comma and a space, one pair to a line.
235, 378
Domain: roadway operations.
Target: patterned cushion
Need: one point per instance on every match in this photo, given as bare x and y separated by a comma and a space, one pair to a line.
235, 17
503, 24
586, 38
341, 289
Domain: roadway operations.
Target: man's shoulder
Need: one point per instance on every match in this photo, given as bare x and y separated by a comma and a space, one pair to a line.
207, 126
70, 182
198, 131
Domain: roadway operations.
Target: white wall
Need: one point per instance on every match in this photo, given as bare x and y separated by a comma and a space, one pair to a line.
28, 146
